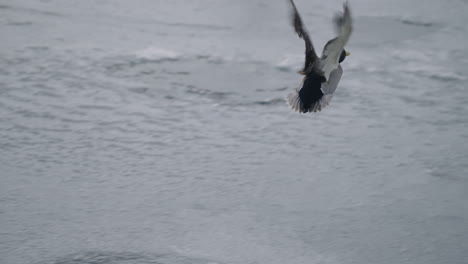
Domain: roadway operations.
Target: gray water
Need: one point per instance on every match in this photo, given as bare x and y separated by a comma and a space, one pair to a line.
155, 131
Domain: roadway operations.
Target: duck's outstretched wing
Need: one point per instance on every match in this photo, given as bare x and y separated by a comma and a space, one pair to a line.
311, 58
332, 50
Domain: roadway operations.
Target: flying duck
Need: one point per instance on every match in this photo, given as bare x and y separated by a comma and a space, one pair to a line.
322, 75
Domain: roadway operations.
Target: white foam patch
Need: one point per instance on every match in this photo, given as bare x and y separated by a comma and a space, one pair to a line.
416, 21
411, 55
290, 63
155, 53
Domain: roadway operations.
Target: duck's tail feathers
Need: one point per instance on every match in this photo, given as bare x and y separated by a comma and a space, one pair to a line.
296, 104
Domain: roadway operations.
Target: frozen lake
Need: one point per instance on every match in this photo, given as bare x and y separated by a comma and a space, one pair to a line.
154, 131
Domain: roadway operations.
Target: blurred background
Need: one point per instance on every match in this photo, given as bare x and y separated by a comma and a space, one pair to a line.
156, 131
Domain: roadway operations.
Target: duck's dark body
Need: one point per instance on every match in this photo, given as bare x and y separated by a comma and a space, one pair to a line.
311, 92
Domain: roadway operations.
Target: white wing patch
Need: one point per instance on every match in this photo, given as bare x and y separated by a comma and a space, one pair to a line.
332, 50
329, 87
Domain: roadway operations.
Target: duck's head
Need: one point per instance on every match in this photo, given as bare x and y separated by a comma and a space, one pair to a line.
343, 56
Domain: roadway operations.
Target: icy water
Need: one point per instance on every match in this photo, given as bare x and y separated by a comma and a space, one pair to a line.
156, 131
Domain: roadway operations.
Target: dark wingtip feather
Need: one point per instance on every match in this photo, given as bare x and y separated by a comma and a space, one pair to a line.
340, 18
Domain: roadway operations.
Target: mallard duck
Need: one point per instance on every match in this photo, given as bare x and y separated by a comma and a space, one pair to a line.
323, 74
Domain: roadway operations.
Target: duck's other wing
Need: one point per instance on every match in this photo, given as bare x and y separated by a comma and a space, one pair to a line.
311, 58
332, 50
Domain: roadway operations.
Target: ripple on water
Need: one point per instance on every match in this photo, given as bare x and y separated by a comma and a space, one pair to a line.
191, 89
96, 107
103, 257
20, 23
271, 101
